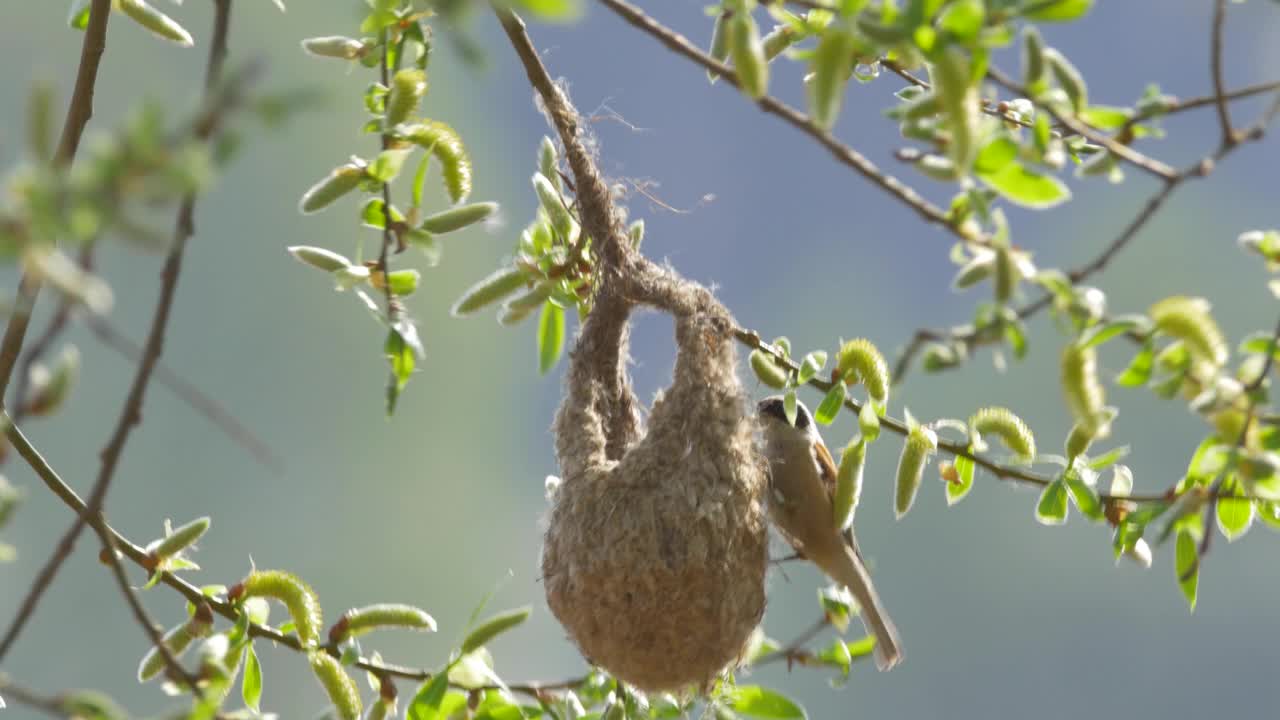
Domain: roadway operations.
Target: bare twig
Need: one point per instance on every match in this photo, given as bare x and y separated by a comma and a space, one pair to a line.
1242, 439
78, 114
843, 153
79, 111
1099, 262
139, 556
1119, 149
36, 350
1219, 82
189, 393
794, 651
51, 705
131, 413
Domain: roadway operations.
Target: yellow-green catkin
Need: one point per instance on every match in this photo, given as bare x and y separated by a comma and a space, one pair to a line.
920, 444
1083, 391
861, 361
341, 689
1008, 427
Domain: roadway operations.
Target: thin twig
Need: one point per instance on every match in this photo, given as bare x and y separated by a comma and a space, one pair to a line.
191, 395
51, 705
843, 153
1119, 149
37, 349
1219, 82
79, 111
78, 114
139, 556
794, 650
1099, 262
1242, 440
131, 413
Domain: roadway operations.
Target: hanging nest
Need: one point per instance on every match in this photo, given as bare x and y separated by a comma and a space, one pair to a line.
656, 547
656, 551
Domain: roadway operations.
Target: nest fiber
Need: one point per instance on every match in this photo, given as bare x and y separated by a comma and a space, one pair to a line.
655, 555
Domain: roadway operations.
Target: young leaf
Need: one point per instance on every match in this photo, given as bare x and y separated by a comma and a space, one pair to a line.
426, 705
155, 21
831, 404
251, 683
550, 336
1056, 10
956, 491
1186, 564
1084, 497
1052, 508
759, 702
493, 627
869, 423
1019, 184
1139, 370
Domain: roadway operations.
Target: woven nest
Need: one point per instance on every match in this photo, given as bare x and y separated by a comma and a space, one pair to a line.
656, 550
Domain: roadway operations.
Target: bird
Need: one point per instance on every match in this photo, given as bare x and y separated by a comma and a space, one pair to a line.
802, 484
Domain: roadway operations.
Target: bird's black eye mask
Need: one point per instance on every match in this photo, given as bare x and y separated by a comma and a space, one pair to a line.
775, 407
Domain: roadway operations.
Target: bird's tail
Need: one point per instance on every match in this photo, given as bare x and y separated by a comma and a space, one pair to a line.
852, 573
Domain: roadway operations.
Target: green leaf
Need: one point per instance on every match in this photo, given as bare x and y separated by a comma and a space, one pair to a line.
552, 10
1028, 188
1104, 117
78, 17
1052, 508
1109, 458
1259, 344
550, 336
996, 155
1084, 497
387, 165
1103, 332
1235, 514
402, 348
426, 704
374, 215
1187, 566
869, 423
1139, 370
790, 406
963, 19
1055, 10
155, 21
759, 702
831, 404
493, 627
251, 683
956, 491
810, 366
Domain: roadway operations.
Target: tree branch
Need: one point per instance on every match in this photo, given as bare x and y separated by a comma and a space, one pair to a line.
1215, 67
78, 114
1099, 262
79, 111
846, 155
131, 413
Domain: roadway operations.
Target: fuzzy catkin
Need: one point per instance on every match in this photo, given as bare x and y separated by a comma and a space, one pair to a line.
656, 549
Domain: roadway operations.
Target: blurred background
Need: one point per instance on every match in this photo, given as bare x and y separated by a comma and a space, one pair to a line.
444, 503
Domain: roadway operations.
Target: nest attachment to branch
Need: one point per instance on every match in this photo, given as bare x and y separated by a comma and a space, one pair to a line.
656, 551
